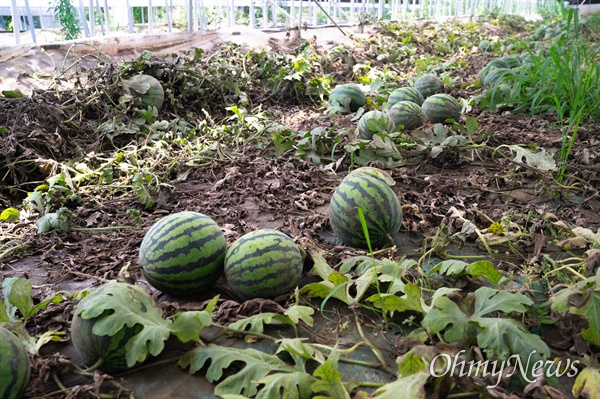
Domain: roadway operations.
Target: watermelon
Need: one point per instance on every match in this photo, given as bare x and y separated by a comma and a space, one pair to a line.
380, 206
407, 114
428, 85
512, 61
405, 94
148, 89
496, 76
110, 349
373, 122
349, 96
263, 264
485, 45
183, 254
440, 107
15, 368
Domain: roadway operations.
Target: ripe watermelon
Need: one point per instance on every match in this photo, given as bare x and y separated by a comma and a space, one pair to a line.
111, 349
428, 85
374, 122
407, 114
440, 107
183, 253
263, 264
15, 368
405, 94
348, 96
380, 206
148, 89
485, 45
496, 75
512, 61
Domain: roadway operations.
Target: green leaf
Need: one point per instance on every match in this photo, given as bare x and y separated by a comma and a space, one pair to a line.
257, 365
130, 305
17, 293
451, 267
187, 325
255, 323
560, 300
299, 312
12, 93
488, 300
485, 269
394, 303
412, 386
444, 313
591, 311
10, 215
328, 380
587, 384
295, 385
506, 336
411, 364
300, 352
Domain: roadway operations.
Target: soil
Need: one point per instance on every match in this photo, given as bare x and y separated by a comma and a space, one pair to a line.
258, 189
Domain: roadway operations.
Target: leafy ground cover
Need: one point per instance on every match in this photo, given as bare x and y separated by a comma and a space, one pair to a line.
497, 260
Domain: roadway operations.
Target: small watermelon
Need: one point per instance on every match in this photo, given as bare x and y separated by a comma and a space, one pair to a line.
110, 349
183, 254
373, 122
407, 114
263, 264
148, 89
428, 85
15, 368
485, 45
440, 107
405, 94
349, 96
380, 206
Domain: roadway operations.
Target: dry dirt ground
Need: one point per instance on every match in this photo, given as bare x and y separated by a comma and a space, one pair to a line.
259, 190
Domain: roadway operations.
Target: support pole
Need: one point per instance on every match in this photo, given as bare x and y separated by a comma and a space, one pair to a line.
15, 21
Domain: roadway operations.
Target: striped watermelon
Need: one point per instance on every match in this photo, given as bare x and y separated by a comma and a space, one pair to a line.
148, 89
485, 45
512, 61
405, 94
183, 253
380, 206
495, 76
111, 349
440, 107
349, 96
15, 368
263, 264
407, 114
373, 122
428, 85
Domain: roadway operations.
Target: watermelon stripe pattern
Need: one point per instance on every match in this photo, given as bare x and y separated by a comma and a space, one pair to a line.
183, 253
407, 114
405, 94
440, 107
349, 95
92, 347
15, 369
380, 205
263, 264
428, 85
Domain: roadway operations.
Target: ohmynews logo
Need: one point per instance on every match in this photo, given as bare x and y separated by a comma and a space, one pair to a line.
461, 368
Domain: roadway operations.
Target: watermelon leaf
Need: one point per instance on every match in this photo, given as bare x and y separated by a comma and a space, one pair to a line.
329, 380
256, 322
257, 365
295, 385
129, 306
299, 312
300, 352
187, 325
587, 384
10, 215
591, 311
411, 386
393, 303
